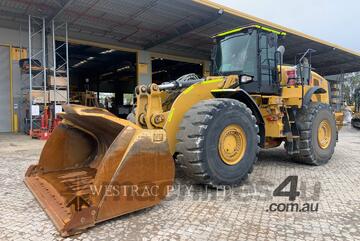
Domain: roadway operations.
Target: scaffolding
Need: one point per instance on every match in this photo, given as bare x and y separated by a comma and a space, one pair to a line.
60, 66
44, 69
37, 72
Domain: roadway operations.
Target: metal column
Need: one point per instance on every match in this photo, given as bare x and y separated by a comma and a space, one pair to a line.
60, 65
37, 72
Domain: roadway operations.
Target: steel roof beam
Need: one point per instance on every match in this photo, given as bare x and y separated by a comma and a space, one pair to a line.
58, 2
8, 14
63, 7
338, 64
185, 29
338, 68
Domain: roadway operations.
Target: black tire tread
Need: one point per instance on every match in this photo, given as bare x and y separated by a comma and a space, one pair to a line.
304, 122
191, 136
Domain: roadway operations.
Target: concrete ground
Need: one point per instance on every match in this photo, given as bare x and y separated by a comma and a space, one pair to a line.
248, 212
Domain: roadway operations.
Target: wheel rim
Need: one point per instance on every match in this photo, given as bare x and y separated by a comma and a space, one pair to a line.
324, 134
232, 144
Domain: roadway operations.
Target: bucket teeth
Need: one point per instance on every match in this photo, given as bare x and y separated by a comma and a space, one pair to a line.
90, 151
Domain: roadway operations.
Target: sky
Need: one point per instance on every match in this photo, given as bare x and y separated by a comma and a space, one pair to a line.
335, 21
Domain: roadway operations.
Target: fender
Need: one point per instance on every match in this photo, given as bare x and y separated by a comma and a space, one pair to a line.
309, 94
245, 98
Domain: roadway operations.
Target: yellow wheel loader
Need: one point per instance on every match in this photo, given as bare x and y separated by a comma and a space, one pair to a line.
212, 127
355, 121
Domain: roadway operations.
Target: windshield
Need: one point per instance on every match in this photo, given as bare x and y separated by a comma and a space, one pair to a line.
236, 54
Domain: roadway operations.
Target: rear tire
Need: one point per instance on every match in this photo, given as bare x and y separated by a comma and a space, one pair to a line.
313, 123
355, 122
199, 153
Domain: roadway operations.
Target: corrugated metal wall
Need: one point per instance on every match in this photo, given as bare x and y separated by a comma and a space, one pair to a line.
5, 112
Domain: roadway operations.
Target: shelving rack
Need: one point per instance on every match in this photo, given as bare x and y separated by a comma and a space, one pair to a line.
41, 65
60, 64
37, 74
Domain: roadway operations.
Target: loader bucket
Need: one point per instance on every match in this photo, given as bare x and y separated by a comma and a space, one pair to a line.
96, 166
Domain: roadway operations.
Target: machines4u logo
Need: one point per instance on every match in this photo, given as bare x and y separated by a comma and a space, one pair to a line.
289, 189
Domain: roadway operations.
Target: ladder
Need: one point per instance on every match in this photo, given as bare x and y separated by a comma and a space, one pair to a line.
291, 131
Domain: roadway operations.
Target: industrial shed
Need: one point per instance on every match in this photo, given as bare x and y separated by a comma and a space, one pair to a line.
115, 45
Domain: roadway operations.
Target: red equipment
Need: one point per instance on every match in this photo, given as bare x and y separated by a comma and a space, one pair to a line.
43, 133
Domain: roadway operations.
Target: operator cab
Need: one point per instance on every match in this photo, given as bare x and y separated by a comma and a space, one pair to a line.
252, 54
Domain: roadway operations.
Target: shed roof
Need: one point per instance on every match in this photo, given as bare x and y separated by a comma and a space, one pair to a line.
174, 27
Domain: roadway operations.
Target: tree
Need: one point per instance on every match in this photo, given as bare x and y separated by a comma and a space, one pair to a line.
352, 81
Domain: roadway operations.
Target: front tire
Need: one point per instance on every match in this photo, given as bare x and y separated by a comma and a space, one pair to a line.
318, 134
218, 142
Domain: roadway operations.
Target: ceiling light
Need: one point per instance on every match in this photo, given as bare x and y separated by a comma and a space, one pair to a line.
80, 63
160, 71
106, 74
108, 51
123, 68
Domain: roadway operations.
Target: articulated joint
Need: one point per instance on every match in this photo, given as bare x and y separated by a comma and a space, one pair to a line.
141, 105
154, 117
158, 120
